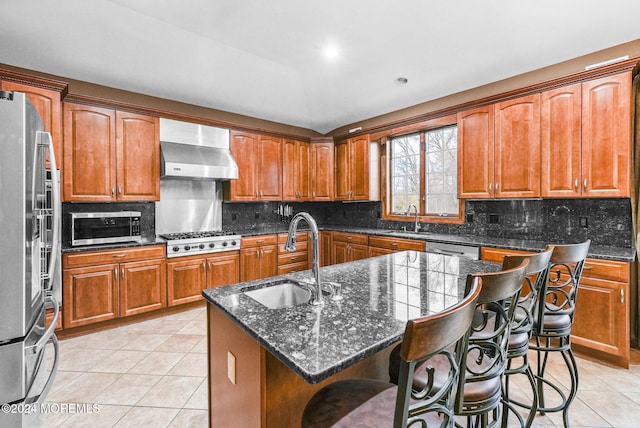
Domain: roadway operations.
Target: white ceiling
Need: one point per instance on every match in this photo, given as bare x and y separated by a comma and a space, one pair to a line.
265, 58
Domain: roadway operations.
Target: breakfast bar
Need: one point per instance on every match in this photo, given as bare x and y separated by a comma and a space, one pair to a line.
265, 363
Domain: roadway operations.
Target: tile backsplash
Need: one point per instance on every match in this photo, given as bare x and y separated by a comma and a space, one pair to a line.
604, 221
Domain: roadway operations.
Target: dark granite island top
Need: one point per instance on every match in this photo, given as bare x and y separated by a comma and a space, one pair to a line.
379, 295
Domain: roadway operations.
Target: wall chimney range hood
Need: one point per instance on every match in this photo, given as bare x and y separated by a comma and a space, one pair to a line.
195, 152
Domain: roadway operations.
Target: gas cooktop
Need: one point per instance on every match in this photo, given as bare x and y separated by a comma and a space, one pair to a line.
203, 242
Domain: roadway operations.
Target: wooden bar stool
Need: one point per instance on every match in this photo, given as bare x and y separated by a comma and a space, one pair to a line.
553, 320
372, 403
481, 383
536, 275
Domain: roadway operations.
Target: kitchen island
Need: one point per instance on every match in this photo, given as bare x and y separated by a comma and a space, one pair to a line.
265, 364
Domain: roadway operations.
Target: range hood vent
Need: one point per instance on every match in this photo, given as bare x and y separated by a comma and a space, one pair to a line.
192, 151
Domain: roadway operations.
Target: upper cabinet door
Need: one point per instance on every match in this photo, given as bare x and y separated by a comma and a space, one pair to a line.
359, 155
517, 148
561, 118
244, 148
322, 171
606, 136
270, 165
476, 153
303, 170
89, 172
289, 171
138, 157
342, 172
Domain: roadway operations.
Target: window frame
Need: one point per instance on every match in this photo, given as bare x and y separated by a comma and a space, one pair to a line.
387, 175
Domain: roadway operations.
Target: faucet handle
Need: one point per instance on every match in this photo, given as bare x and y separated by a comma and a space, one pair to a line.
334, 289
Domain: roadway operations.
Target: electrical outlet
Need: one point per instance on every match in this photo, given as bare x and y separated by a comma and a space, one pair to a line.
494, 218
231, 367
257, 215
583, 222
234, 216
469, 218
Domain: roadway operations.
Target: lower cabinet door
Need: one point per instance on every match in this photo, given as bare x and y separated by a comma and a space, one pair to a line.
90, 295
142, 287
185, 281
223, 269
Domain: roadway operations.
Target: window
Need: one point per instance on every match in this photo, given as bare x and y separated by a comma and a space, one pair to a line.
424, 172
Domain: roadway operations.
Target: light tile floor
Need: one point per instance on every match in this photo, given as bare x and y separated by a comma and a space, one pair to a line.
148, 374
154, 374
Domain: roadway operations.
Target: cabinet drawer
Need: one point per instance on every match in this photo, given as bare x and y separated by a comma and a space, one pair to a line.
300, 237
497, 254
292, 267
296, 257
300, 246
353, 238
257, 241
395, 244
93, 258
606, 269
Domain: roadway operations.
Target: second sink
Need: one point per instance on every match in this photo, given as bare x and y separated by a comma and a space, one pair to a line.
281, 294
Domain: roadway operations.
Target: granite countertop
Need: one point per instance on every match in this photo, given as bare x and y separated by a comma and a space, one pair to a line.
595, 251
379, 295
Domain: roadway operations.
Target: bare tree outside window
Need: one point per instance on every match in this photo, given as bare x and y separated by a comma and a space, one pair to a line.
406, 172
440, 168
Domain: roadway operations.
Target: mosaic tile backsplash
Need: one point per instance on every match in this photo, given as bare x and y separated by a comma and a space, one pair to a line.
604, 221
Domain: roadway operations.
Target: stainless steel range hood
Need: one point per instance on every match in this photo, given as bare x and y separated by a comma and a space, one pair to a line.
192, 151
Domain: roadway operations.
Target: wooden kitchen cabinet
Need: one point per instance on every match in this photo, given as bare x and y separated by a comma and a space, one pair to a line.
322, 171
586, 139
103, 285
188, 276
48, 104
326, 248
606, 136
499, 150
110, 155
258, 257
259, 159
601, 324
294, 261
476, 153
295, 172
380, 245
348, 247
352, 169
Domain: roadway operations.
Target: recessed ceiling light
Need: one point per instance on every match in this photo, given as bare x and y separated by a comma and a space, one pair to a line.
402, 81
331, 52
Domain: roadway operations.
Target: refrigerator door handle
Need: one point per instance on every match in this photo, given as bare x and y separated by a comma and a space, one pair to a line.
44, 139
50, 302
54, 368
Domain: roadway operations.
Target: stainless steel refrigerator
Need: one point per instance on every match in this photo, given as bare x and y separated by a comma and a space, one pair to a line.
29, 254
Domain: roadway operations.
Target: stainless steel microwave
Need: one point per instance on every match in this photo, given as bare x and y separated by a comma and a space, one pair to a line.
105, 227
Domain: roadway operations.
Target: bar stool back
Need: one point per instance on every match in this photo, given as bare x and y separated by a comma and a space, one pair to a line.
373, 403
553, 321
518, 349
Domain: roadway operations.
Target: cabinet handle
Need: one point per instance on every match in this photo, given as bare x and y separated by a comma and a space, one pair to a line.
119, 190
575, 185
497, 187
122, 273
622, 295
115, 273
490, 187
257, 194
119, 256
113, 191
204, 268
313, 194
394, 244
260, 191
259, 241
584, 184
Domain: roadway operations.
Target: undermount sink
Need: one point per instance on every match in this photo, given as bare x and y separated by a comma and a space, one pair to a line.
280, 294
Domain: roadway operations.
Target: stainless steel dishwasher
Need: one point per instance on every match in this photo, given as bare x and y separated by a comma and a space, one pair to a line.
467, 251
